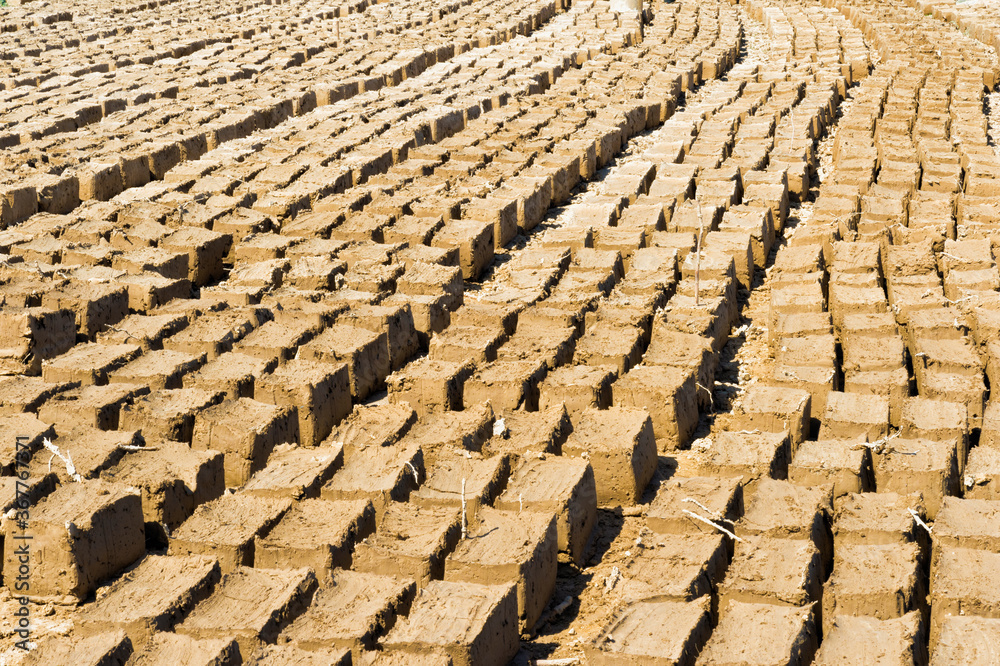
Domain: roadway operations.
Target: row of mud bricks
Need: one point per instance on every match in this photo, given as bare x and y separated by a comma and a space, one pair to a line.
363, 371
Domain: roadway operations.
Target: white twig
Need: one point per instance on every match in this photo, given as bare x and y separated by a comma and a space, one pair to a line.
129, 447
713, 524
919, 521
464, 523
714, 514
520, 502
567, 661
56, 453
413, 469
697, 257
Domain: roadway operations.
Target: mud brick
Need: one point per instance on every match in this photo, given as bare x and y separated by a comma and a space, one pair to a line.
848, 639
799, 325
478, 625
967, 391
13, 454
650, 217
106, 648
789, 635
411, 541
780, 572
162, 649
621, 447
533, 195
54, 194
423, 279
430, 314
670, 395
148, 291
881, 581
851, 415
318, 391
962, 583
277, 340
579, 387
817, 380
440, 433
99, 181
245, 431
413, 230
89, 363
965, 640
464, 343
429, 385
82, 534
877, 519
19, 394
500, 212
44, 249
624, 241
294, 472
666, 514
563, 487
96, 406
172, 265
990, 431
625, 638
982, 474
96, 305
937, 420
508, 385
91, 450
214, 334
754, 456
507, 547
351, 613
365, 353
450, 471
606, 344
395, 321
675, 568
772, 409
804, 297
265, 601
167, 413
29, 336
686, 352
863, 353
428, 255
151, 597
314, 273
380, 424
527, 432
191, 308
783, 510
474, 239
847, 464
955, 355
316, 533
490, 315
228, 528
911, 465
967, 523
231, 373
577, 237
382, 474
